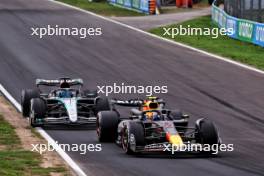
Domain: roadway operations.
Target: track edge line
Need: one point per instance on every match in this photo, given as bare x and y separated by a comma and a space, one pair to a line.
46, 136
228, 60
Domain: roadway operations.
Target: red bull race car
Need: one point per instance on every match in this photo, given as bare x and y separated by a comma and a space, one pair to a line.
151, 127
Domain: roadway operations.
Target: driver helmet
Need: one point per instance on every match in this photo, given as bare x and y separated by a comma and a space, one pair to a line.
149, 104
64, 85
65, 93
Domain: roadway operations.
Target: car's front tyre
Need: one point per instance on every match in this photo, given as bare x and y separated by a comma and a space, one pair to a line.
133, 135
37, 112
206, 134
106, 126
26, 96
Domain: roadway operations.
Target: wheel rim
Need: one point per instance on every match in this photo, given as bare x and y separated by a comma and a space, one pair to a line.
98, 129
125, 140
32, 121
31, 117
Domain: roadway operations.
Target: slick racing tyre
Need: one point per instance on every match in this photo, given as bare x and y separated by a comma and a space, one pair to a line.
37, 112
132, 136
106, 126
26, 97
102, 104
206, 133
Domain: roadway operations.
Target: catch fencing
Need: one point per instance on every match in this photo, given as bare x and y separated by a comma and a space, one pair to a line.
243, 29
247, 9
145, 6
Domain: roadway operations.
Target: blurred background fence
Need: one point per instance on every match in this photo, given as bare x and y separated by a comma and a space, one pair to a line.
246, 9
243, 29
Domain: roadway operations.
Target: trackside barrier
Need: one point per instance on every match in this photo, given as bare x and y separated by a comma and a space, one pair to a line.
244, 30
145, 6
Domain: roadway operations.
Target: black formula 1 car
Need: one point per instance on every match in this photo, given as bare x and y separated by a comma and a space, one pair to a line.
151, 127
66, 103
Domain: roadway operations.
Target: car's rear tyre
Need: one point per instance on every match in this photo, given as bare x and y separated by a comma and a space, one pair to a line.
37, 112
26, 97
102, 104
132, 136
206, 133
106, 126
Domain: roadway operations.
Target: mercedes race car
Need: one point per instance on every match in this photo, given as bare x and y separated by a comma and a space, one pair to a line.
66, 103
151, 127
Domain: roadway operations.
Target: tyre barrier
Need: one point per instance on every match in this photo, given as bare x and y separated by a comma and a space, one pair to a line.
244, 30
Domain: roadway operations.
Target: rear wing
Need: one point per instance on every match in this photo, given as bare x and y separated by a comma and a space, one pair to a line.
57, 82
127, 103
132, 102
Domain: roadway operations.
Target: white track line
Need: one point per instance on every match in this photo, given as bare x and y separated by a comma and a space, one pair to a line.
64, 155
164, 39
46, 136
10, 98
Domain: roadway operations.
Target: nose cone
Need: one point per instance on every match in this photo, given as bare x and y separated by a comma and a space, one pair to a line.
174, 139
71, 106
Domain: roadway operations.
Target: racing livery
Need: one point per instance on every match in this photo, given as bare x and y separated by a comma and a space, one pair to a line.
64, 104
152, 127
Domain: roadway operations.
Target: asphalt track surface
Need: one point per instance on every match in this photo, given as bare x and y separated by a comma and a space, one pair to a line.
203, 86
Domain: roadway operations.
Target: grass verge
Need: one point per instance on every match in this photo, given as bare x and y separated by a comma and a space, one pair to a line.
102, 8
18, 162
237, 50
8, 137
